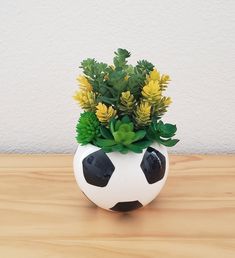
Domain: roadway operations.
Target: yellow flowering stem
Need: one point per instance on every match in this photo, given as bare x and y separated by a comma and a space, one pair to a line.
153, 76
165, 79
86, 100
161, 107
152, 92
104, 113
167, 101
142, 114
84, 83
127, 102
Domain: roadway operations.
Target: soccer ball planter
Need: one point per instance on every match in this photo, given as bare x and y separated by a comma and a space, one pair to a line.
121, 163
118, 182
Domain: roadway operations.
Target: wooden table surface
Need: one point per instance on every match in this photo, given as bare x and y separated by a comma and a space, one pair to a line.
44, 214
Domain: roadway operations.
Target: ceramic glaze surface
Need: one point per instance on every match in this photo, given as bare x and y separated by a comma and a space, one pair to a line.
121, 182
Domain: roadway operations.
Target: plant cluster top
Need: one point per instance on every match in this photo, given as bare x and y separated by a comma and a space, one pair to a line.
123, 105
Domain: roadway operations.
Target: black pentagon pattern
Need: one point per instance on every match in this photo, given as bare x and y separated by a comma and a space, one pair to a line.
153, 165
126, 206
97, 168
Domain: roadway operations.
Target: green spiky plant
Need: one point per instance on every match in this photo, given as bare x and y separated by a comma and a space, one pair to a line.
123, 105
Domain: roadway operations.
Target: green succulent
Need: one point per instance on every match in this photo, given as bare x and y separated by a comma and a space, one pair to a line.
162, 133
120, 136
120, 58
143, 66
124, 104
87, 128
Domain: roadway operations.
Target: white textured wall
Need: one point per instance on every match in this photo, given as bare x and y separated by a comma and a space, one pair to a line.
43, 42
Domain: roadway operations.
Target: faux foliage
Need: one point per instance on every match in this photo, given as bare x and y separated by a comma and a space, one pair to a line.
121, 136
123, 105
162, 133
88, 128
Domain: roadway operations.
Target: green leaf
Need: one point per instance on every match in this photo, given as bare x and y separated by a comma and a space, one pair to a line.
169, 142
124, 150
124, 137
128, 138
105, 132
118, 136
158, 131
112, 125
126, 127
143, 144
131, 126
166, 130
107, 149
150, 133
158, 125
139, 135
143, 66
111, 89
120, 59
126, 119
117, 147
107, 100
105, 142
135, 148
122, 52
117, 125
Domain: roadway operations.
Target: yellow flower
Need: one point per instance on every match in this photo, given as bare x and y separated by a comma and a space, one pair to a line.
165, 78
104, 113
151, 92
166, 101
126, 95
153, 76
142, 114
164, 81
84, 83
86, 99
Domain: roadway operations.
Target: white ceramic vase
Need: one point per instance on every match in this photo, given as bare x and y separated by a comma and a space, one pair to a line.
121, 182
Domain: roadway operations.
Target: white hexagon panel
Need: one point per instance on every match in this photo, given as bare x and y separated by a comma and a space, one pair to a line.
121, 182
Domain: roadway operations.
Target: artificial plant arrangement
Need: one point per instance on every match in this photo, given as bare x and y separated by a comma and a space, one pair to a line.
123, 105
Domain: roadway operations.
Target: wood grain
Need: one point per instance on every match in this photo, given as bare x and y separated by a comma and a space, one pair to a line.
44, 214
